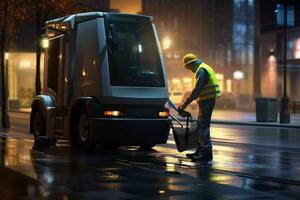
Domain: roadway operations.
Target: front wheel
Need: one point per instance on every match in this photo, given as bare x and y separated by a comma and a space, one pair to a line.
80, 130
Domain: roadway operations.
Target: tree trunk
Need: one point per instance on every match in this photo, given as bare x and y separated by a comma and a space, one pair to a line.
3, 82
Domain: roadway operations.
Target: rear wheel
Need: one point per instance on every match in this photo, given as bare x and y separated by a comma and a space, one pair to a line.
83, 128
38, 123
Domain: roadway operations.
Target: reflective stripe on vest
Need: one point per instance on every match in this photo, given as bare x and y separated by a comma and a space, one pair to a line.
211, 89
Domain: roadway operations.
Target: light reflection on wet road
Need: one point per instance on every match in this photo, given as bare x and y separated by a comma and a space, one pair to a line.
249, 163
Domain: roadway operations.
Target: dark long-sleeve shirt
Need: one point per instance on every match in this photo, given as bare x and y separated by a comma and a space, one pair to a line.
203, 77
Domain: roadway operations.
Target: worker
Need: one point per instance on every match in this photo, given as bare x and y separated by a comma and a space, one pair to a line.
206, 90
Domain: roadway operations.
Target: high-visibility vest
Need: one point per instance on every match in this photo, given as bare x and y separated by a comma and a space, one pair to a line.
211, 89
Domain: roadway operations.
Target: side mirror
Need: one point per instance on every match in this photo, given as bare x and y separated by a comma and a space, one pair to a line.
112, 37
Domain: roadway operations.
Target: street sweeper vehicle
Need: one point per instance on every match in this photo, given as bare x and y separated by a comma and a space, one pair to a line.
104, 82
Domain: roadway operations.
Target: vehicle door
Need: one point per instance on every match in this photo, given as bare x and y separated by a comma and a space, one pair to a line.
55, 76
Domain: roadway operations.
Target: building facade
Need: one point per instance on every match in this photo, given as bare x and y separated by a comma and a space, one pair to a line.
271, 65
220, 32
179, 25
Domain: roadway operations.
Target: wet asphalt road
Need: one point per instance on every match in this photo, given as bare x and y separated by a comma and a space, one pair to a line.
249, 163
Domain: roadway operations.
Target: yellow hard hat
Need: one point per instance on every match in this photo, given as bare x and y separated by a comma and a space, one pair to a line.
189, 58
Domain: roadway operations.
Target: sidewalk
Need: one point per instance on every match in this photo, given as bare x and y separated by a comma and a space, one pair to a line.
249, 118
233, 117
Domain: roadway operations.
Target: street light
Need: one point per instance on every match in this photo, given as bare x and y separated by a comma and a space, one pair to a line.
284, 108
238, 75
45, 42
6, 56
166, 42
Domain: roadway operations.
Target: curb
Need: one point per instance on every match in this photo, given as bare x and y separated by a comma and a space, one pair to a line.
249, 123
255, 124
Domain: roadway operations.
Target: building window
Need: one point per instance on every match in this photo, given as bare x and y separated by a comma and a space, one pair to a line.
21, 79
251, 3
220, 78
228, 85
297, 49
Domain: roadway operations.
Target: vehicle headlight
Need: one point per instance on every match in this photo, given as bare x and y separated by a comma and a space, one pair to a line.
163, 114
112, 113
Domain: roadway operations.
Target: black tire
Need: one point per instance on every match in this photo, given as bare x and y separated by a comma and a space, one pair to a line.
79, 127
38, 126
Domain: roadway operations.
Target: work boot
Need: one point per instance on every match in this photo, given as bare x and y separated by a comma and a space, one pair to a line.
52, 141
197, 152
43, 141
191, 155
202, 156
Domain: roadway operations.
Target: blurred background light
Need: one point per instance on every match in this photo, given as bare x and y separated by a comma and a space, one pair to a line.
238, 75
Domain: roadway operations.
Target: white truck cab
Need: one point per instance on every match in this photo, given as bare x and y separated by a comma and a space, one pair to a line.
104, 82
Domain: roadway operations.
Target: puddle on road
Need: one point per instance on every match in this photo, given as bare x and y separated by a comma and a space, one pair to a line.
60, 165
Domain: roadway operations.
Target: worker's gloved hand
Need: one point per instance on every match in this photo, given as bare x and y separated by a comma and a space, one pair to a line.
181, 111
181, 108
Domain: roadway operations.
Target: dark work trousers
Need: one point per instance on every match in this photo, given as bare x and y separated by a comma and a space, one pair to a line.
203, 124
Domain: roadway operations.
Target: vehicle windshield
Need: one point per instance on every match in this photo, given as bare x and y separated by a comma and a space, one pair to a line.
135, 61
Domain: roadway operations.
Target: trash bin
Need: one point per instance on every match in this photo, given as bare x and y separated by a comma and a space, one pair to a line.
266, 109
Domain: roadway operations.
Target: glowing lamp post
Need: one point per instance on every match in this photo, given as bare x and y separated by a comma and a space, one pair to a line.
285, 17
6, 56
166, 43
45, 43
238, 75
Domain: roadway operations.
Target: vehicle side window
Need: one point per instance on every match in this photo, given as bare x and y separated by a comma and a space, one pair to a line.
53, 65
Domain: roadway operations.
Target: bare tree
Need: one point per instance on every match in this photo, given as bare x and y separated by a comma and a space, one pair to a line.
2, 53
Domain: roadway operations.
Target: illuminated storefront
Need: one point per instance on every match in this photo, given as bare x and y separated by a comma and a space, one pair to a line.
21, 79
